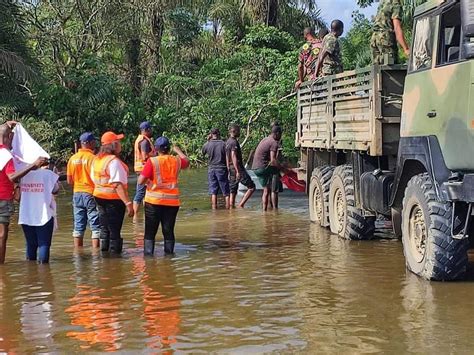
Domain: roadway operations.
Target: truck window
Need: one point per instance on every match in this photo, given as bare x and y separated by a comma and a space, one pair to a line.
450, 36
422, 49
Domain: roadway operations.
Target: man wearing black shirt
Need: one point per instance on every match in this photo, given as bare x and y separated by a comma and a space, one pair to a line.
237, 172
218, 173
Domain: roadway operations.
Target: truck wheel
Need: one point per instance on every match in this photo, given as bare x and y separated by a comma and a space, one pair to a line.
345, 218
319, 195
429, 249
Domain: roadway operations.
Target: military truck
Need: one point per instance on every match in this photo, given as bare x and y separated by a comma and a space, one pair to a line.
398, 142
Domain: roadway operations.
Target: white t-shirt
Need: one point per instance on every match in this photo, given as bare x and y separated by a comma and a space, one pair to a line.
37, 205
116, 171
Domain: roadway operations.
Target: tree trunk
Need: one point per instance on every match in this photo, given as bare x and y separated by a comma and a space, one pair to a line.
265, 12
272, 12
157, 27
133, 62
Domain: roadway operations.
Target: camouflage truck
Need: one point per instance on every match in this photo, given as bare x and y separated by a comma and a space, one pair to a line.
398, 142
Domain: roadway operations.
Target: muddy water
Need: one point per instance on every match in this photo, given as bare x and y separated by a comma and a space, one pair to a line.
240, 282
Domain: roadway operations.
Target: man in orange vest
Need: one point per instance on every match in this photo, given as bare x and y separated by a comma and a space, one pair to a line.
143, 151
84, 206
110, 177
162, 194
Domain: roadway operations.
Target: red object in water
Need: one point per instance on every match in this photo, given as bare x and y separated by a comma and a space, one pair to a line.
290, 179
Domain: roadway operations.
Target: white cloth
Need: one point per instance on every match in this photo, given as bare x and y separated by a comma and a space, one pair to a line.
5, 157
24, 148
37, 205
116, 171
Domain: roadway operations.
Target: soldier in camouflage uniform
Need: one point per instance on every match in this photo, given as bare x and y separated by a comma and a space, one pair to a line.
387, 32
309, 54
330, 58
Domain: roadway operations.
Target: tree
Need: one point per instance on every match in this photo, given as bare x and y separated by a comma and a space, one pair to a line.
356, 51
15, 60
408, 9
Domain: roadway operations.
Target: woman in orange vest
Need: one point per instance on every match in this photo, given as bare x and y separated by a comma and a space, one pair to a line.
110, 177
162, 194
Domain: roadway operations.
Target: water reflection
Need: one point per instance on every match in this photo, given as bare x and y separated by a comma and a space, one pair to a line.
160, 297
241, 282
36, 308
94, 309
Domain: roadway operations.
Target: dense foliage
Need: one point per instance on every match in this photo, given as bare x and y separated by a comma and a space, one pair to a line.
68, 66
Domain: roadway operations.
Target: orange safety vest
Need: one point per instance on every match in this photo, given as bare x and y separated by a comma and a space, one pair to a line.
163, 189
102, 188
139, 162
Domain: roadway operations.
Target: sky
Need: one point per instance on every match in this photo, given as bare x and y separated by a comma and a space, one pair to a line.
342, 10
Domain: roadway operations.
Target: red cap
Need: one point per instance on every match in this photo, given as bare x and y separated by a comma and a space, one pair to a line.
110, 137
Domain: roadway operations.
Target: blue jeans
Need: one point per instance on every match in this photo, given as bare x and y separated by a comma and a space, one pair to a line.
140, 193
38, 239
85, 210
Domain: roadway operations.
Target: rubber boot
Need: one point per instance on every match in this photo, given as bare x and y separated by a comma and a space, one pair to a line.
104, 244
149, 247
169, 247
116, 246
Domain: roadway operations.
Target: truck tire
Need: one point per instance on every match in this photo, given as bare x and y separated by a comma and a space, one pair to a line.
319, 195
345, 218
429, 249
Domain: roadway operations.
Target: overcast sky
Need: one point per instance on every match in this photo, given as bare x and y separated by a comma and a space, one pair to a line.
342, 10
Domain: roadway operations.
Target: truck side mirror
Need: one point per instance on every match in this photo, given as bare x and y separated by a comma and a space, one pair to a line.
467, 18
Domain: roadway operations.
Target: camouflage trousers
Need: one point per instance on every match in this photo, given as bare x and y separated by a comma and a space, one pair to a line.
384, 48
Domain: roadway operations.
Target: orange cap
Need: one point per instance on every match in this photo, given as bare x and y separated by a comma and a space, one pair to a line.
110, 137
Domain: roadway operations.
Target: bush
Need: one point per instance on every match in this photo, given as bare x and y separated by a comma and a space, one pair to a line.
269, 37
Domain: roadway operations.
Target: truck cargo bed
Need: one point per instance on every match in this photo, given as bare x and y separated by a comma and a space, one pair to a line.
355, 110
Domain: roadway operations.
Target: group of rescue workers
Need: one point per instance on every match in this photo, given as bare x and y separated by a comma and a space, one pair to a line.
100, 187
100, 181
321, 54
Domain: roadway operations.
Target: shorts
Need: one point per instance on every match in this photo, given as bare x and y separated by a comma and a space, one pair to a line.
269, 177
218, 179
245, 180
6, 211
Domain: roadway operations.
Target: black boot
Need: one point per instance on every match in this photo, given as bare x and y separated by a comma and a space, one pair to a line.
169, 247
149, 247
104, 244
116, 246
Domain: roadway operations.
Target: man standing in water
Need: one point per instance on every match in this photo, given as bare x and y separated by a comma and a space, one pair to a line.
237, 172
8, 177
143, 150
267, 168
84, 205
218, 174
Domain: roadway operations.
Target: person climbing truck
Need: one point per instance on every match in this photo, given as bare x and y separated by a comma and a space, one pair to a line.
397, 142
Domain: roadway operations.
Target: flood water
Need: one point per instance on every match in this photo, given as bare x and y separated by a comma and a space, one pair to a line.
241, 282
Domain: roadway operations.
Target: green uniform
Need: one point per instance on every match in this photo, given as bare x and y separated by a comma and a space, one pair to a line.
332, 63
383, 41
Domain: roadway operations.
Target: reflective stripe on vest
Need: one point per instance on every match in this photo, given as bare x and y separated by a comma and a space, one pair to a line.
162, 196
139, 162
163, 189
101, 178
